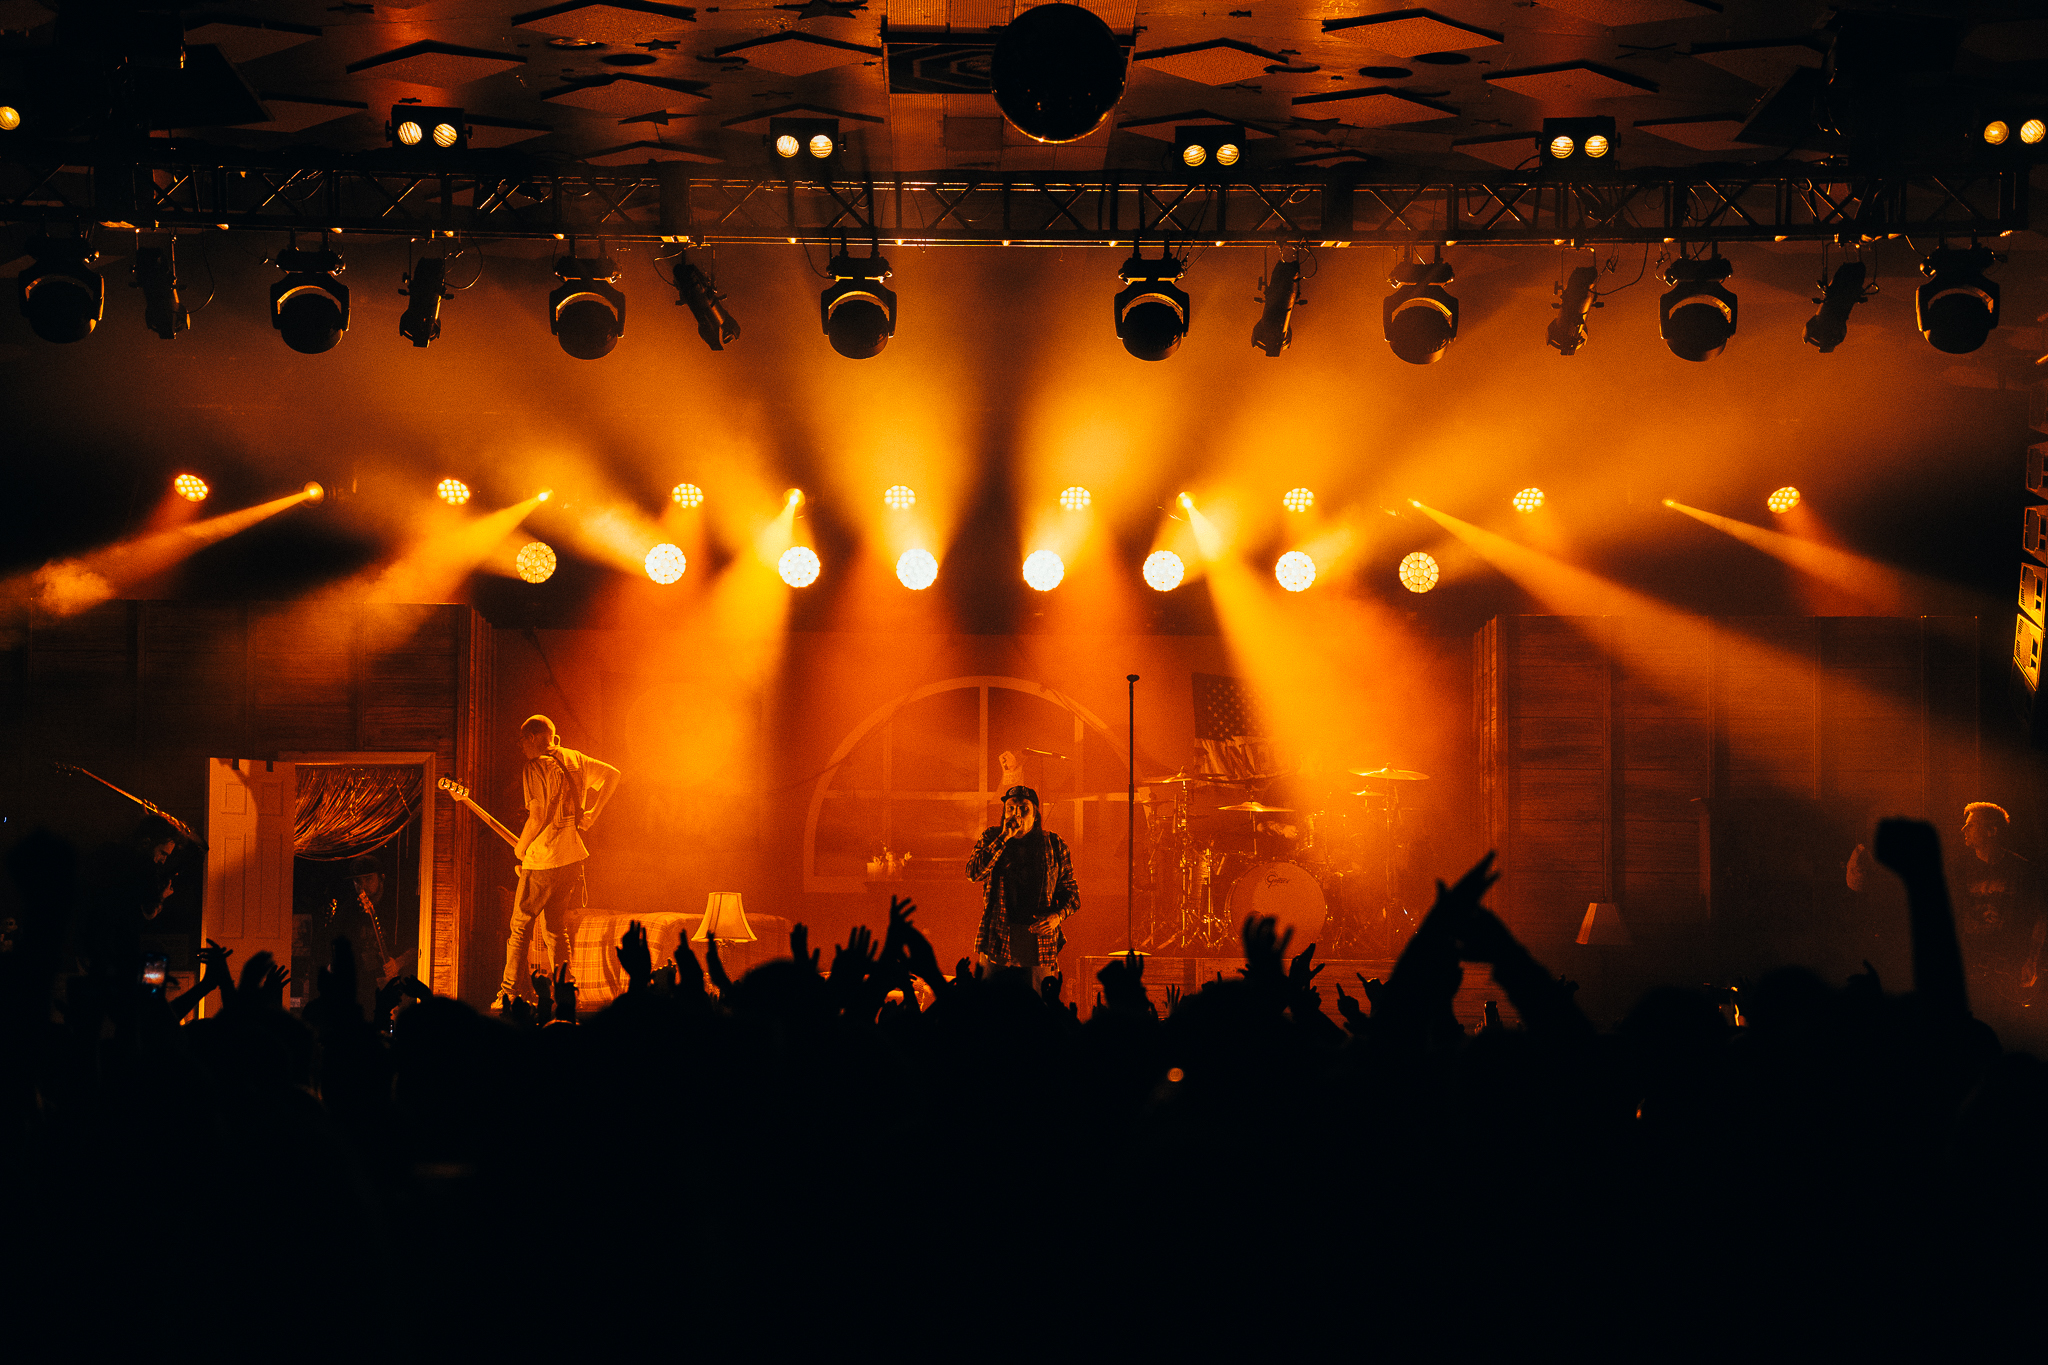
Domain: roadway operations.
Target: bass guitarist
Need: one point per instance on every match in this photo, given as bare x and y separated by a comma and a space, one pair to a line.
565, 791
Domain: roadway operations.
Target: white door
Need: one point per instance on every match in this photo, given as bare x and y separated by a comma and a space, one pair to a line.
250, 810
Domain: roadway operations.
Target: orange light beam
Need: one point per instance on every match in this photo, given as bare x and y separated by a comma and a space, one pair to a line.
434, 566
69, 586
1887, 589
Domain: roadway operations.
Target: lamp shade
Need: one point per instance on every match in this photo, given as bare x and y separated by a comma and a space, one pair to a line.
724, 919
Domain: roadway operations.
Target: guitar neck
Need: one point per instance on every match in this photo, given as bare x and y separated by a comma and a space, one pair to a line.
507, 835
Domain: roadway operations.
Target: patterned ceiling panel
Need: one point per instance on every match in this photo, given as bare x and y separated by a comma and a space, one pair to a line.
1218, 62
1410, 33
1571, 83
620, 25
439, 66
798, 54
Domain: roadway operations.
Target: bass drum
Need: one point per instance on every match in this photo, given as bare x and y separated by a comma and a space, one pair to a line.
1287, 893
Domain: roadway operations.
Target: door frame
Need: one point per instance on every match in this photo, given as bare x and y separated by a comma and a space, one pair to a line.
397, 758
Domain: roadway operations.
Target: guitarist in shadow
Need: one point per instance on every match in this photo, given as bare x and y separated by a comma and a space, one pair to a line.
565, 791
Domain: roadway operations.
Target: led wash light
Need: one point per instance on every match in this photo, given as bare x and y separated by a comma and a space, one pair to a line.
1295, 571
1075, 499
1783, 500
688, 495
1697, 317
1528, 500
859, 310
535, 562
1298, 500
798, 566
190, 487
1043, 570
899, 498
1418, 572
1164, 571
917, 570
454, 492
665, 563
586, 312
1152, 312
309, 306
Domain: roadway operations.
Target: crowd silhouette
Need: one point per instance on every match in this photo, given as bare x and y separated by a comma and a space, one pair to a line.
872, 1152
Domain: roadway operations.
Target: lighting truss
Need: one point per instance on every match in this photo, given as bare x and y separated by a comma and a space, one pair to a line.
665, 203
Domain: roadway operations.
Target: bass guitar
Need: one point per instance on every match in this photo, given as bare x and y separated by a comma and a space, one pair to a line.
461, 793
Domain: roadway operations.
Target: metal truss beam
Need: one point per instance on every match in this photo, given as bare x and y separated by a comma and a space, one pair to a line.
1719, 204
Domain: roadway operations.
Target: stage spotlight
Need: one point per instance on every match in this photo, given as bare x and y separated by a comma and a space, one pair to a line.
190, 487
917, 570
1275, 327
1298, 500
1295, 571
10, 118
1420, 316
309, 306
687, 495
61, 296
1164, 571
665, 563
454, 492
421, 127
156, 275
1075, 499
859, 311
1151, 311
1996, 132
1957, 307
1697, 316
1186, 501
1043, 570
544, 495
798, 566
535, 562
1057, 71
1203, 143
793, 137
586, 312
420, 323
1829, 327
718, 328
315, 494
1418, 572
1574, 148
794, 497
1528, 500
1575, 300
2033, 131
1783, 500
900, 498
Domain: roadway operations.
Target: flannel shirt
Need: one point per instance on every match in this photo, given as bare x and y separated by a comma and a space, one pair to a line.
999, 940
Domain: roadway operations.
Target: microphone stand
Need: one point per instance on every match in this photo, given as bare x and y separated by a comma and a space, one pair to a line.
1131, 826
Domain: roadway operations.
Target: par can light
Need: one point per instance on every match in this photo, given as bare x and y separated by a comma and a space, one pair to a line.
666, 563
1043, 570
535, 562
1296, 571
798, 566
1164, 571
917, 570
190, 487
1418, 572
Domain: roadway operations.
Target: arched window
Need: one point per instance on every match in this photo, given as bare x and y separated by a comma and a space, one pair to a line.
921, 776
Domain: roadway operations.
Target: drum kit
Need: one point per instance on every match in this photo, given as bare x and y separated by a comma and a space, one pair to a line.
1328, 871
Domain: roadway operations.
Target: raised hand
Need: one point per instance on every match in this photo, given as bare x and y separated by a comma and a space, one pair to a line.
1264, 946
544, 992
1355, 1018
853, 963
689, 972
634, 958
565, 996
714, 968
517, 1011
916, 948
1049, 989
213, 966
800, 946
1910, 848
1303, 971
1172, 999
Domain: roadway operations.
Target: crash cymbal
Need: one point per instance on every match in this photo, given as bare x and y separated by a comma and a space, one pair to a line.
1391, 774
1183, 779
1258, 808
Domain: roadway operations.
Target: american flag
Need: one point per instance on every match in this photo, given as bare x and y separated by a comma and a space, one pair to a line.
1225, 708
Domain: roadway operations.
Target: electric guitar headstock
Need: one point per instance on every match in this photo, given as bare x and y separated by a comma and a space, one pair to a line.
453, 788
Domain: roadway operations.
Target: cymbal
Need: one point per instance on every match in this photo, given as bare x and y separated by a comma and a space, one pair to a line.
1258, 808
1183, 779
1392, 774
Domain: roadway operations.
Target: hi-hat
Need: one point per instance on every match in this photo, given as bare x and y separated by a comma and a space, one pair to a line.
1258, 808
1392, 774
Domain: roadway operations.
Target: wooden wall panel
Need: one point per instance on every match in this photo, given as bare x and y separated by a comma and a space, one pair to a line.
1609, 745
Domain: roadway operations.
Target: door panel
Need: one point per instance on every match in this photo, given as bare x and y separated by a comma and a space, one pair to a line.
250, 808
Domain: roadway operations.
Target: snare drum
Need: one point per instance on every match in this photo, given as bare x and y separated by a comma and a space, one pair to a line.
1287, 893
